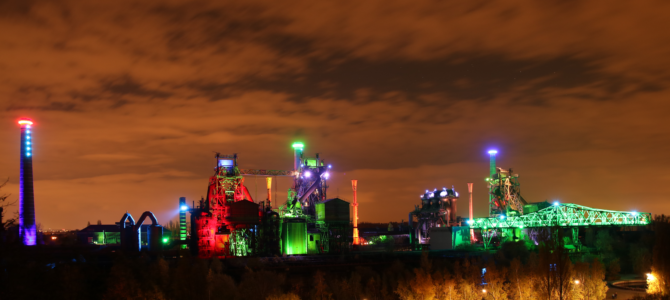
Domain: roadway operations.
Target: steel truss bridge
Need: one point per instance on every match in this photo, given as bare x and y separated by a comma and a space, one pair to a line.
564, 215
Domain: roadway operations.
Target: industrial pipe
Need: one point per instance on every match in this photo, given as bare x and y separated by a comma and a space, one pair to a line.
154, 233
313, 187
126, 232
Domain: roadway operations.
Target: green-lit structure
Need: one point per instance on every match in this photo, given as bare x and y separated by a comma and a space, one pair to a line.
511, 217
294, 236
110, 234
230, 223
310, 222
182, 221
564, 215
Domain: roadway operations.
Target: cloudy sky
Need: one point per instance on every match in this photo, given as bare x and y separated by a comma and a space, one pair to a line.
132, 98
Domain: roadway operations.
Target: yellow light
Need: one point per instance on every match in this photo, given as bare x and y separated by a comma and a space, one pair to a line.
650, 276
484, 291
576, 281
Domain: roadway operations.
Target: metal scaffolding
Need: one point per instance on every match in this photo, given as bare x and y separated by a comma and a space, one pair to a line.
564, 215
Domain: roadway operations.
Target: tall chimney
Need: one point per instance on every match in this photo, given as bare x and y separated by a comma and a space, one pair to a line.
472, 231
269, 186
492, 170
182, 220
27, 229
354, 185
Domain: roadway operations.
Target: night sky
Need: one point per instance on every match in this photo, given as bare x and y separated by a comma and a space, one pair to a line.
131, 99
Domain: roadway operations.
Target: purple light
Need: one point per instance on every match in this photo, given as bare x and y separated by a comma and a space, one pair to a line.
27, 228
493, 152
326, 175
308, 174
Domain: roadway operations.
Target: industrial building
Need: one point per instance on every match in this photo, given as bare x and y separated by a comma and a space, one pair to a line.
510, 217
230, 223
110, 234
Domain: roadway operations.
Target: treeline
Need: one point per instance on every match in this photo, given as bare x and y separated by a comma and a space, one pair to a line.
547, 274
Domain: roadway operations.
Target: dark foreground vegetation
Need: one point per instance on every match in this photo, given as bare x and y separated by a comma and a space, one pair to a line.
520, 274
515, 271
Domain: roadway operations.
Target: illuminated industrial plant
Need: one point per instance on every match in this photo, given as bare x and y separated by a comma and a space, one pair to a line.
510, 216
27, 229
435, 223
228, 222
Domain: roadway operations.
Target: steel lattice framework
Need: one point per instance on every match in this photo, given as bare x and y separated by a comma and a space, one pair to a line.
253, 172
565, 215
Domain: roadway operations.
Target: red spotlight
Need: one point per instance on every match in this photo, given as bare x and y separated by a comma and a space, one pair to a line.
25, 122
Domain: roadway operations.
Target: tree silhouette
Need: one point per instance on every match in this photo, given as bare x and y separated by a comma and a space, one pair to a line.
496, 285
659, 278
320, 290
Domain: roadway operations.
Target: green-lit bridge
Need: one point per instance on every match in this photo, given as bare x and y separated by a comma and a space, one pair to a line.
564, 215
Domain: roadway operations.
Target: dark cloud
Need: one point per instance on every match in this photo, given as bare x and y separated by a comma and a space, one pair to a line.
459, 77
133, 98
50, 106
125, 85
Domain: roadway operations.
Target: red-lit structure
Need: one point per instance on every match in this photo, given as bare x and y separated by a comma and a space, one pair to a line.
354, 186
229, 223
472, 231
223, 219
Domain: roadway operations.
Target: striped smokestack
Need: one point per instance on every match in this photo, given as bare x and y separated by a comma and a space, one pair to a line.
27, 229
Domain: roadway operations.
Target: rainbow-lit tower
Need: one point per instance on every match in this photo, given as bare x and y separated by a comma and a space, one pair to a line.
183, 208
27, 230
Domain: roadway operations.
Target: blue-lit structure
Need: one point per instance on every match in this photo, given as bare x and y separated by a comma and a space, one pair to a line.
27, 229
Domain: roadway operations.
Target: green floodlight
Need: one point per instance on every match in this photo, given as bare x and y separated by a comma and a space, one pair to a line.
165, 240
298, 145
